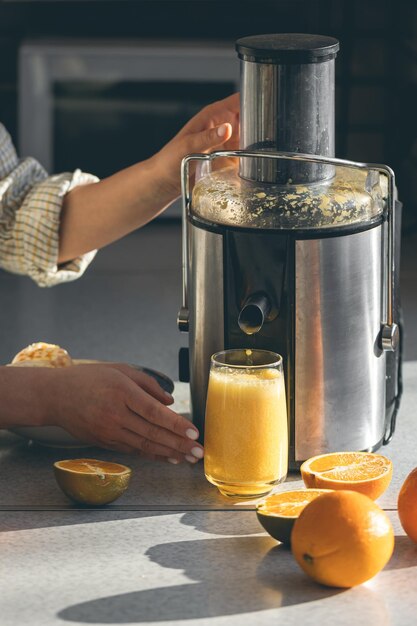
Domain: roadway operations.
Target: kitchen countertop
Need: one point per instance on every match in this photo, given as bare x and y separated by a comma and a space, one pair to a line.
172, 550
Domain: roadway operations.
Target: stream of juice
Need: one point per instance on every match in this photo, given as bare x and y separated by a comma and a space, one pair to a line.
246, 437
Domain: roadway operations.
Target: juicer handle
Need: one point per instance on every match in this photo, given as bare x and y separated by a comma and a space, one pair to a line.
390, 334
184, 313
390, 331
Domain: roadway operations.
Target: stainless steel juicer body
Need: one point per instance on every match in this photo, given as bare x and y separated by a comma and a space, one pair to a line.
296, 253
333, 304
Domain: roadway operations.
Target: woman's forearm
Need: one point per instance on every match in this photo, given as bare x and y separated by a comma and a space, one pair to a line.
25, 396
94, 215
97, 214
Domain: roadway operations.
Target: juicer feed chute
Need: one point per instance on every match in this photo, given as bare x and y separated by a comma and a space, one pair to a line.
296, 253
293, 75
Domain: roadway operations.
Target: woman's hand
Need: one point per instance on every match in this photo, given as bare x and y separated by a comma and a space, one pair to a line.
112, 406
120, 408
215, 126
94, 215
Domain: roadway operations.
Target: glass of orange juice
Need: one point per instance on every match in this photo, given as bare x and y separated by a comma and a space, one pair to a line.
246, 431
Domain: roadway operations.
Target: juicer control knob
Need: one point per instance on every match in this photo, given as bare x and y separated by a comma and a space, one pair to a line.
390, 337
183, 320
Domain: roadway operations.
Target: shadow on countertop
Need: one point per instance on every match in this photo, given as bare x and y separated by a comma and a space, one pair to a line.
230, 576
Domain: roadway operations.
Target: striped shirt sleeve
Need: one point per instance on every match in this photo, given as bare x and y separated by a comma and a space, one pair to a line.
30, 208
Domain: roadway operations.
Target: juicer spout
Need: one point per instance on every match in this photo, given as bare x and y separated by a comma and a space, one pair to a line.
254, 312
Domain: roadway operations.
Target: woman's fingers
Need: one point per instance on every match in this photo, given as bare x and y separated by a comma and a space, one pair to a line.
153, 448
162, 459
232, 103
209, 138
125, 448
149, 384
145, 445
212, 126
153, 434
145, 405
216, 113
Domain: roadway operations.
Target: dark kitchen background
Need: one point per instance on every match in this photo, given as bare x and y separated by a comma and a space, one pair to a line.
125, 307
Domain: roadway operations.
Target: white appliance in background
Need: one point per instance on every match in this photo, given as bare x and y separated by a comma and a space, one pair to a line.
102, 105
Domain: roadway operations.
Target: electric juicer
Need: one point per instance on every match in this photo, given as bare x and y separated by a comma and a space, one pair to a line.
291, 250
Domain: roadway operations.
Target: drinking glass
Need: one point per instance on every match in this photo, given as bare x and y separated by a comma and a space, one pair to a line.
246, 431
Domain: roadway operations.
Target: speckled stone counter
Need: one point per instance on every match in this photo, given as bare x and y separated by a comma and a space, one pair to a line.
172, 551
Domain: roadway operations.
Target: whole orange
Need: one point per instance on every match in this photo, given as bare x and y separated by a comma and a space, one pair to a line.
342, 538
407, 505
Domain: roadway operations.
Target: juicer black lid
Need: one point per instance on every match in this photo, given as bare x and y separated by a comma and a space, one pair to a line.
287, 48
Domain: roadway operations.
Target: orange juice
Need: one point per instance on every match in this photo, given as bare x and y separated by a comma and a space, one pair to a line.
246, 437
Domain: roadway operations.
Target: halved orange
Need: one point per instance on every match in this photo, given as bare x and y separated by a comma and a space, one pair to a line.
90, 481
363, 472
278, 512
